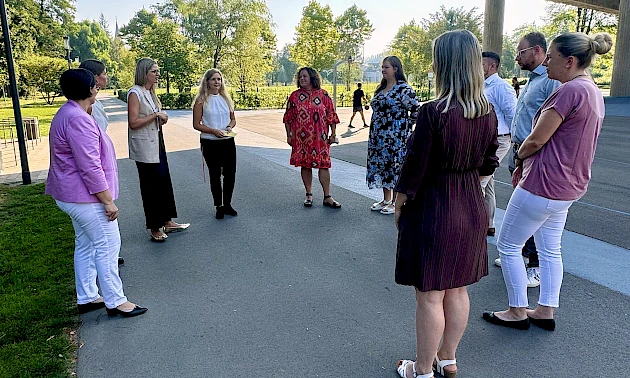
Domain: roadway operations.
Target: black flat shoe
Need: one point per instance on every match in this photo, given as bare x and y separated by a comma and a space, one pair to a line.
121, 261
546, 324
87, 307
127, 314
229, 210
517, 324
220, 213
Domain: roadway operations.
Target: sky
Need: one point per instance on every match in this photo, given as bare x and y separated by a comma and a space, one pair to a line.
385, 18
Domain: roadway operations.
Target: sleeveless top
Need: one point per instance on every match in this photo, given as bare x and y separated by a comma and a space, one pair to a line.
216, 115
144, 143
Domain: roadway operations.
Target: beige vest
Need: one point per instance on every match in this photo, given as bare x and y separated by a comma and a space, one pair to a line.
144, 143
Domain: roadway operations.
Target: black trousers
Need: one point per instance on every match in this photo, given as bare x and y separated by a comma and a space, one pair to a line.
156, 190
220, 157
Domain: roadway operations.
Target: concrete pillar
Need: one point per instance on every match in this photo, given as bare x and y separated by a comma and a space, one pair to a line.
620, 83
493, 26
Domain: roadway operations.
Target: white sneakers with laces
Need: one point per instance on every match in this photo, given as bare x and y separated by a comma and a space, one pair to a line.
533, 277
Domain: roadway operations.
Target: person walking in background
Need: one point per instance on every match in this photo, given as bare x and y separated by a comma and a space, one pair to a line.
532, 51
516, 86
309, 115
503, 99
97, 110
358, 98
395, 109
83, 180
213, 115
553, 169
146, 147
440, 213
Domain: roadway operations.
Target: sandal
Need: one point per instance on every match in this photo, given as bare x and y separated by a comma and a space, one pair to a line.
402, 370
439, 365
334, 204
176, 228
161, 237
308, 202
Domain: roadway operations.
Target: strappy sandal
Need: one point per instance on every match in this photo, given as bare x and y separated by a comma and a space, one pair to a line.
308, 202
334, 204
159, 238
402, 370
439, 365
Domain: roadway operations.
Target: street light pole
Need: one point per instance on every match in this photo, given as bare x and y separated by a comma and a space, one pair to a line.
26, 174
66, 43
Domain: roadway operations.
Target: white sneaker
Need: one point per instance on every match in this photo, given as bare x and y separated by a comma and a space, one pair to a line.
389, 209
533, 277
380, 205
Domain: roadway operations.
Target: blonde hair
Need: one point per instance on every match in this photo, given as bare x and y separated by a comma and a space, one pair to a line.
457, 63
203, 92
583, 47
142, 70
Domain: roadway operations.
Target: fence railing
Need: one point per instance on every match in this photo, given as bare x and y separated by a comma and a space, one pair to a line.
9, 139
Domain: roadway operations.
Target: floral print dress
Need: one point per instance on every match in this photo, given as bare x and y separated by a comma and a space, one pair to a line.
309, 114
394, 114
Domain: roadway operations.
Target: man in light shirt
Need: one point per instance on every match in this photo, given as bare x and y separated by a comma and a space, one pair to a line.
531, 53
503, 98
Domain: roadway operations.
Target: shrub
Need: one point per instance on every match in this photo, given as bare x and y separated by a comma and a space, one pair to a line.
122, 95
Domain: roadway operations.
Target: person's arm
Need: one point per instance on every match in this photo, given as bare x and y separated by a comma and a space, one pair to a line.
111, 210
490, 159
410, 102
134, 121
232, 123
288, 118
331, 117
507, 102
197, 125
545, 127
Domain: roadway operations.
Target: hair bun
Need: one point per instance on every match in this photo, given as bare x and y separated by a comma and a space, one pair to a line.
602, 43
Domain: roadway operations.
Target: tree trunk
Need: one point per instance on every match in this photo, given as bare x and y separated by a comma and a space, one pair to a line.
168, 83
590, 22
579, 19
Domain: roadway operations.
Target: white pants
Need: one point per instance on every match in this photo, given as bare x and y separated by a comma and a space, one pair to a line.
489, 197
528, 214
97, 244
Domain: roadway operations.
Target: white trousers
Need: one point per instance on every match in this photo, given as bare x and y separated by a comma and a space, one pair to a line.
97, 244
489, 197
528, 214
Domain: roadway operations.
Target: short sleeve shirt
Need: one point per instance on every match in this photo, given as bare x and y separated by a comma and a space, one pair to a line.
357, 97
561, 169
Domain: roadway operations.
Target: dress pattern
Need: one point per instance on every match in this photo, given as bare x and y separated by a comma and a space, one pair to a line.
308, 115
443, 224
394, 114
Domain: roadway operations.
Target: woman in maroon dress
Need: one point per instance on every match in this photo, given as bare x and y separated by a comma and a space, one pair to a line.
310, 112
440, 212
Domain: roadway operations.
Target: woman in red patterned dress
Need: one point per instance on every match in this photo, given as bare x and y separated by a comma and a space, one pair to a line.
310, 112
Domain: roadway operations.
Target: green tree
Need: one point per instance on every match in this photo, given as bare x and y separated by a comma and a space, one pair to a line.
354, 28
90, 42
122, 65
133, 32
251, 56
104, 24
213, 26
285, 67
316, 37
447, 19
41, 74
409, 45
172, 51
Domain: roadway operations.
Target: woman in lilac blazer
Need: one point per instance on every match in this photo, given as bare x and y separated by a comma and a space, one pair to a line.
83, 179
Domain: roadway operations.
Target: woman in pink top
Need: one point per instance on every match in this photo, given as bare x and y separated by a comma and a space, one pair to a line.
83, 179
553, 171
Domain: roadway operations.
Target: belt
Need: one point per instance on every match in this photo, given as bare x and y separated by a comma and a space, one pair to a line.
508, 134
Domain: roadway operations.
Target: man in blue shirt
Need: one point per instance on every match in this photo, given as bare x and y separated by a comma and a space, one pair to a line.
531, 53
503, 99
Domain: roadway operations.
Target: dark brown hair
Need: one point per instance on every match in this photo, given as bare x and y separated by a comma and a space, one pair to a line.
316, 80
400, 74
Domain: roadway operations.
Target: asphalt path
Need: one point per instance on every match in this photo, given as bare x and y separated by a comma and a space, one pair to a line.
285, 291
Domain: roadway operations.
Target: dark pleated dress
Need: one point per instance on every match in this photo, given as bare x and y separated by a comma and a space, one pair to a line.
442, 228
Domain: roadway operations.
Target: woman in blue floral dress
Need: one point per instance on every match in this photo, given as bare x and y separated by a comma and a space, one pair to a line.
395, 109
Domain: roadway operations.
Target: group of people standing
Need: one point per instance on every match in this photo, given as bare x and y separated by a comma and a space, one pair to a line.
437, 178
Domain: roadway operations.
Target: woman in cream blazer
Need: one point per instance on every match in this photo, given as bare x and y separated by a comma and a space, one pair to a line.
146, 147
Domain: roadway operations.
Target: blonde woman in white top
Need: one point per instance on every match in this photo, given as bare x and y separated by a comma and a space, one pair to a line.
213, 116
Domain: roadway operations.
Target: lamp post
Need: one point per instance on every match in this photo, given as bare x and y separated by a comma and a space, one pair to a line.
349, 60
26, 174
66, 44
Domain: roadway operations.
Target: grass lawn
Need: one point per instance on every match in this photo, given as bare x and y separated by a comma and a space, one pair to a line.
37, 298
32, 108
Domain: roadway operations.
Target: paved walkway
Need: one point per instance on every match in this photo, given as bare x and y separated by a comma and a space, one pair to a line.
284, 291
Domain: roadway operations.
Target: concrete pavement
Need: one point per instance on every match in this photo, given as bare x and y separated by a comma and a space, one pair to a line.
284, 291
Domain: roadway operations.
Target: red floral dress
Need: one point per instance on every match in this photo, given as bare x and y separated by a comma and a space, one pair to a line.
309, 116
